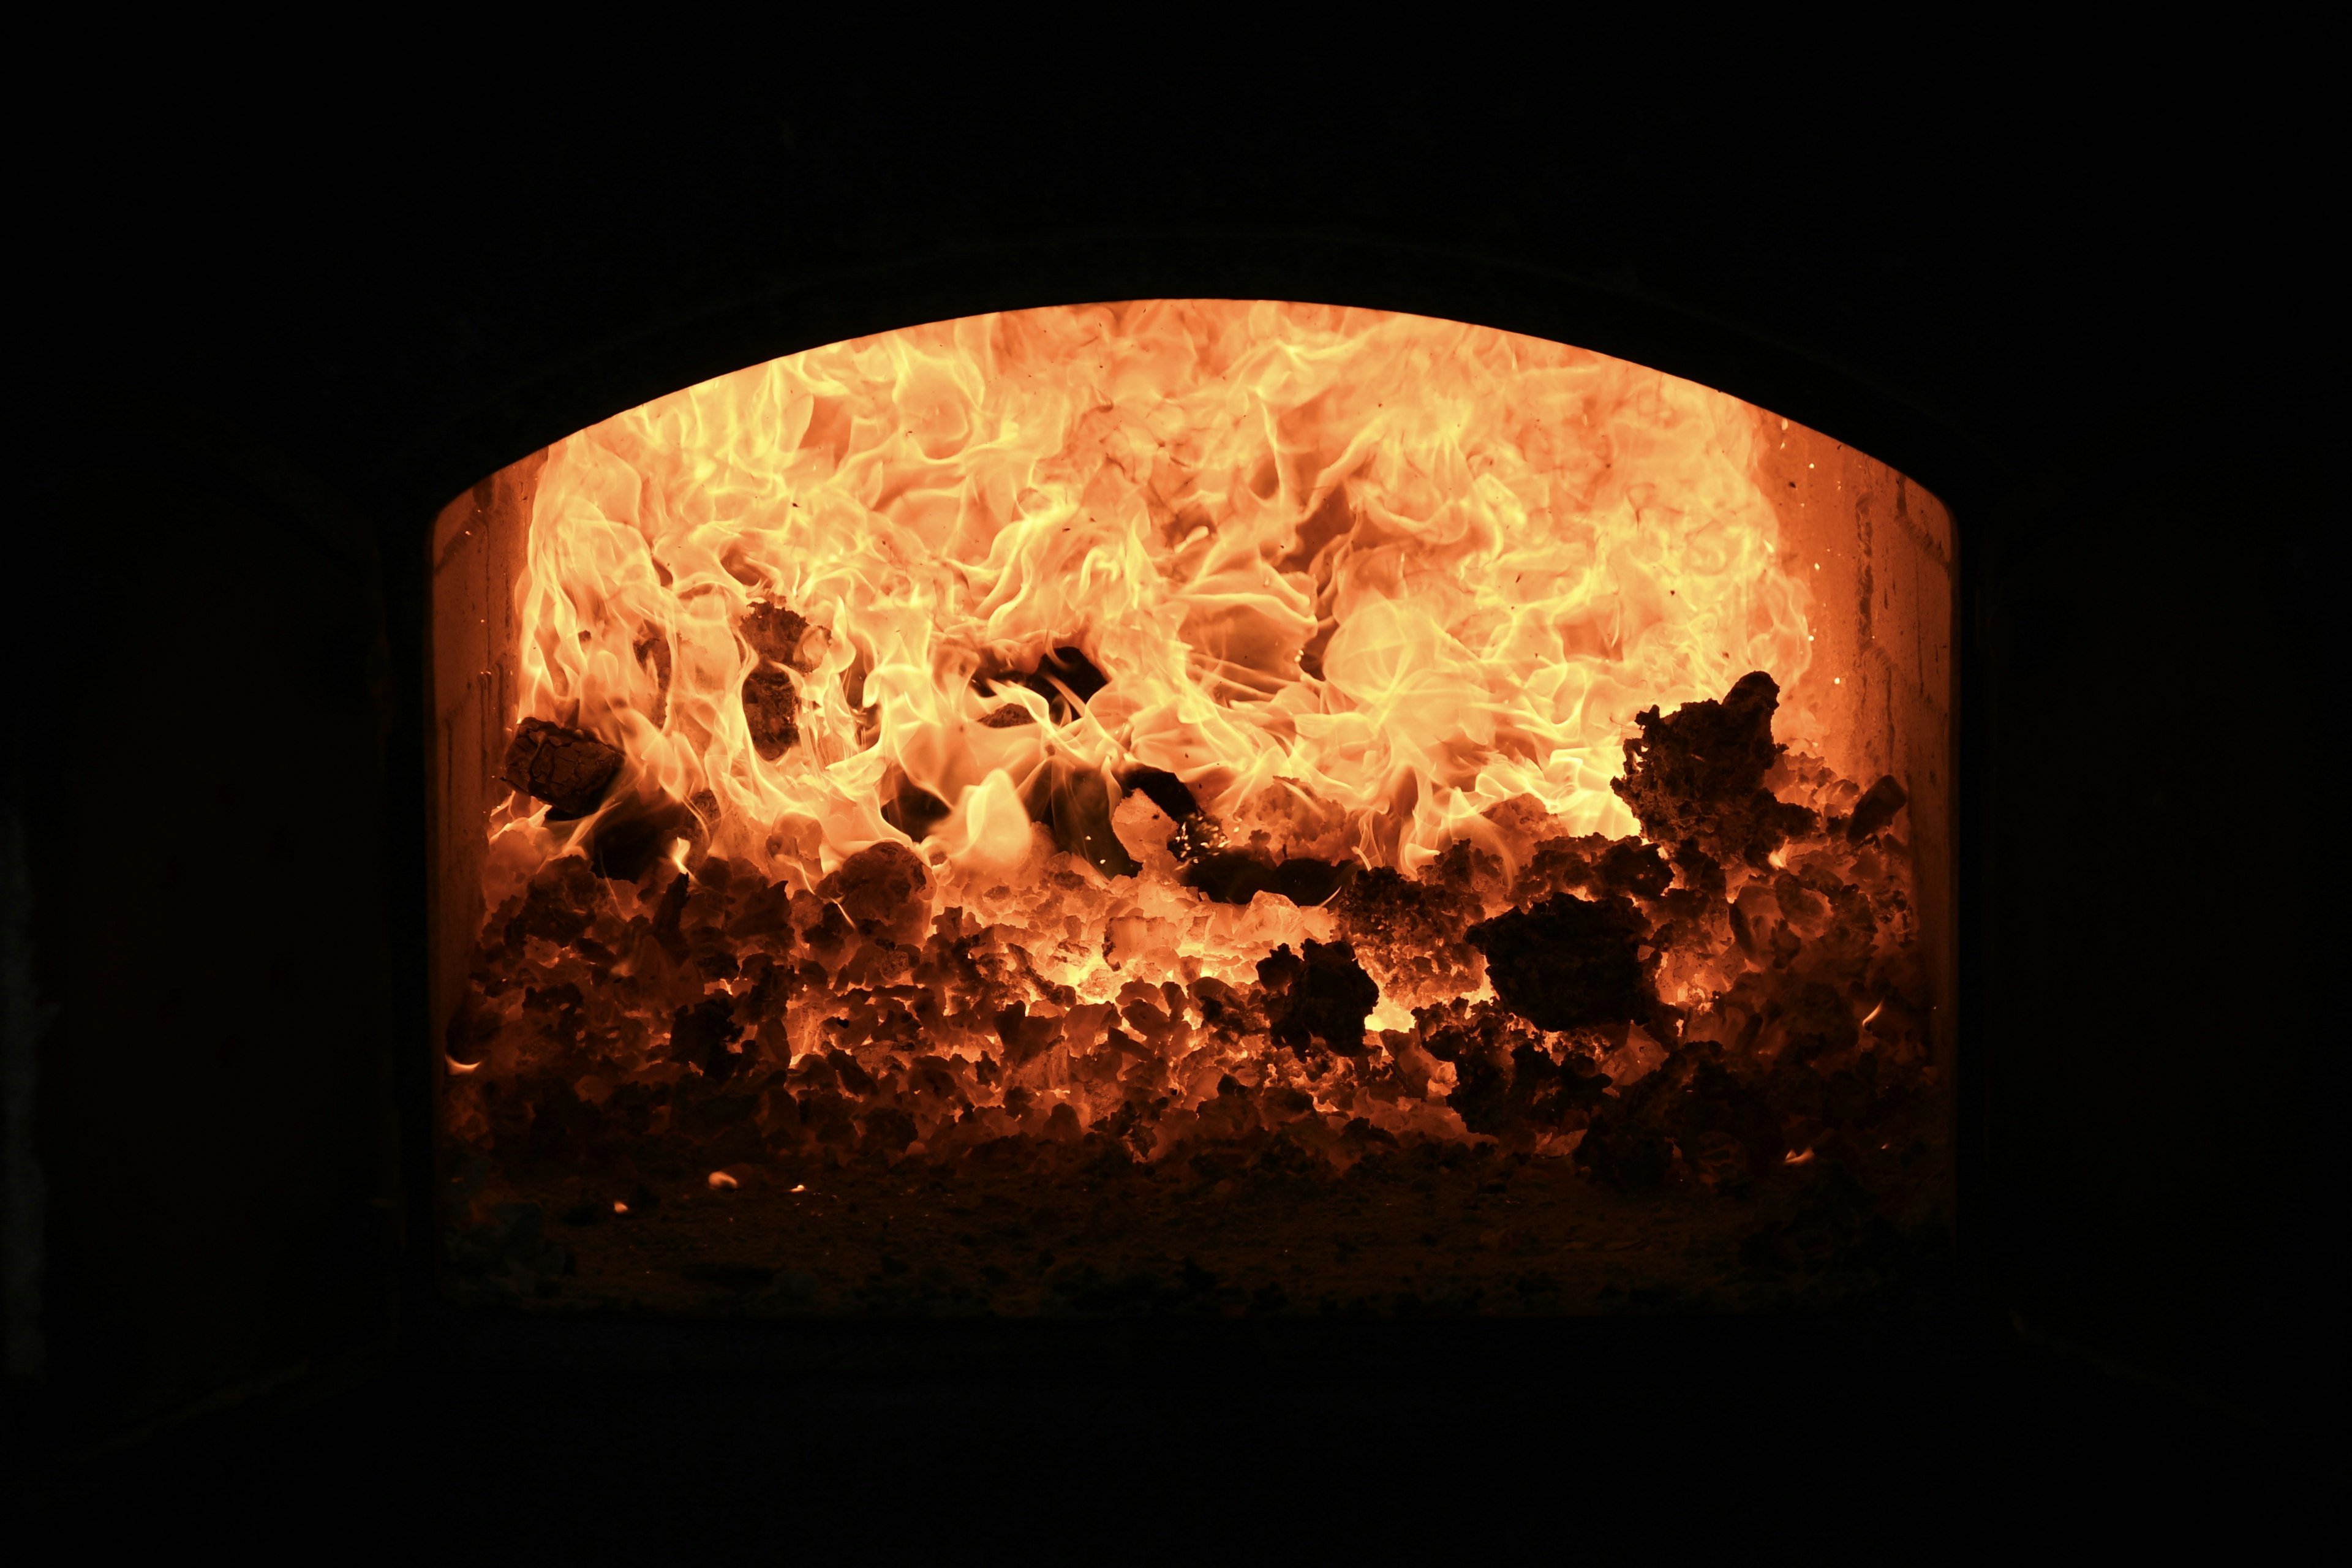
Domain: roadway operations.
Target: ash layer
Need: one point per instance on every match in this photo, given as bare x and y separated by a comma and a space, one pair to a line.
1709, 1039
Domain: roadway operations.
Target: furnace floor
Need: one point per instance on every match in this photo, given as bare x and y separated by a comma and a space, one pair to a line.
1060, 1230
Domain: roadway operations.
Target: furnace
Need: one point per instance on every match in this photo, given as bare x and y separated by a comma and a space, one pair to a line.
1192, 806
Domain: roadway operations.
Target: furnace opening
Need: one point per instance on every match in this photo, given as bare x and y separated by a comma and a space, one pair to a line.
1191, 805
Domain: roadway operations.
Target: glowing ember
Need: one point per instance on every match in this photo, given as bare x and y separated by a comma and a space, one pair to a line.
1150, 727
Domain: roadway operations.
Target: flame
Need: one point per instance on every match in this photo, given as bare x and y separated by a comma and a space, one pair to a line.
1354, 578
1166, 727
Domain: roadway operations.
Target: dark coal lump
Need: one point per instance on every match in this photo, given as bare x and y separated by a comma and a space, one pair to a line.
1414, 928
881, 889
568, 768
1567, 962
1875, 809
771, 706
1698, 774
778, 634
1320, 998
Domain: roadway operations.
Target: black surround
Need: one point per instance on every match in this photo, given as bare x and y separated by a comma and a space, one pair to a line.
279, 337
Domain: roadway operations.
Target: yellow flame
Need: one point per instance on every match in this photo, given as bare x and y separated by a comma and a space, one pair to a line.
1381, 571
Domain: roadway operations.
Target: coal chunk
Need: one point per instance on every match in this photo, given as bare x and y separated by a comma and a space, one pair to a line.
878, 885
1566, 962
1321, 997
1875, 809
569, 770
1476, 1038
558, 905
771, 706
1413, 928
778, 634
1698, 775
1505, 1078
1629, 866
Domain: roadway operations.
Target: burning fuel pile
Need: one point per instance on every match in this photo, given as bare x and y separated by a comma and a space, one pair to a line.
1181, 744
733, 1016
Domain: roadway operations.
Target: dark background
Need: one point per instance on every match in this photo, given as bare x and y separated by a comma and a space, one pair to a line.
272, 316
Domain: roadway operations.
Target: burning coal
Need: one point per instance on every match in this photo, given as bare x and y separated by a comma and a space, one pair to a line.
1154, 727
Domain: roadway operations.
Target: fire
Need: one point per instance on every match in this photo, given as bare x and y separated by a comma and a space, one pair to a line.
1353, 579
1158, 722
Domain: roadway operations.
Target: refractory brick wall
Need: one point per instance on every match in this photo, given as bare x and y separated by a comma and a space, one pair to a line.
1878, 698
479, 544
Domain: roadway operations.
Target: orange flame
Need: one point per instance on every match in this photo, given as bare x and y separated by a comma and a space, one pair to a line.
1355, 578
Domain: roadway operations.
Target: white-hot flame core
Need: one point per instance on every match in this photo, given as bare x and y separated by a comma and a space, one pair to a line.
1500, 548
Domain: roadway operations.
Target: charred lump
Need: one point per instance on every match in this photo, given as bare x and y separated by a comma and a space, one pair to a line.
1698, 774
1568, 962
1318, 997
569, 769
781, 635
781, 641
771, 705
